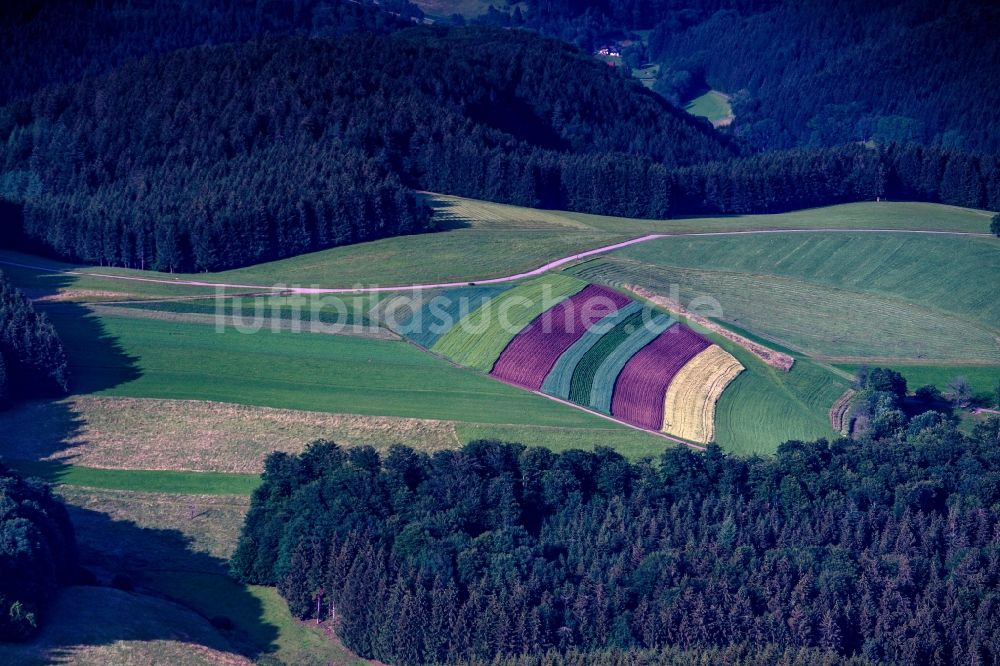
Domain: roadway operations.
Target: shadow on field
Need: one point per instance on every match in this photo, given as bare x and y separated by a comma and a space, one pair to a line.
446, 215
161, 570
162, 563
40, 428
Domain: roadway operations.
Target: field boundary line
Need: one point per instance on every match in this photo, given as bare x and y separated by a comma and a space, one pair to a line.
552, 265
662, 435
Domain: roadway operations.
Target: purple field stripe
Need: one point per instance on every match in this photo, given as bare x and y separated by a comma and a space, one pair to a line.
642, 383
529, 357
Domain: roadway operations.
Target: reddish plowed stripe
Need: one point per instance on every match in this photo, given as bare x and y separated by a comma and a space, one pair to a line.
530, 356
642, 383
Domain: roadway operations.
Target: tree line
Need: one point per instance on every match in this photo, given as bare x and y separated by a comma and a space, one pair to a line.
881, 548
38, 553
741, 655
32, 360
217, 157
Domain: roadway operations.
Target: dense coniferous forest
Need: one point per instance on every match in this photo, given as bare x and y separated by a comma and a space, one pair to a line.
32, 360
815, 73
211, 158
800, 178
737, 655
60, 41
884, 548
217, 157
37, 553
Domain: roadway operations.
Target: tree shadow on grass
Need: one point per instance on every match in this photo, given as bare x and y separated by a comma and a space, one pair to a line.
165, 564
446, 214
41, 428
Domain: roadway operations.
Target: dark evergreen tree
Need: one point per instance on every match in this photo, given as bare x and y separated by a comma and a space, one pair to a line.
498, 550
37, 553
33, 360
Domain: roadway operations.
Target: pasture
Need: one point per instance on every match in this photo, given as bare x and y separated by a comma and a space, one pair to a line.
825, 322
955, 275
476, 240
139, 358
713, 106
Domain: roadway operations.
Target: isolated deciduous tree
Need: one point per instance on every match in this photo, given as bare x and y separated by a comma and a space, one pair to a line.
960, 391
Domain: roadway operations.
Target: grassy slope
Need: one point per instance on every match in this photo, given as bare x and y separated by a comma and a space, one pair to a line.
157, 481
873, 296
121, 628
764, 407
482, 239
161, 359
630, 443
175, 548
958, 275
713, 106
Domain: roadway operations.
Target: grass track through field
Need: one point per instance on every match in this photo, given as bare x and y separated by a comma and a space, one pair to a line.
153, 481
545, 268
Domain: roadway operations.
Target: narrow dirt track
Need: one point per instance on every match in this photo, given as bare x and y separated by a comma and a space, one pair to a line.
497, 280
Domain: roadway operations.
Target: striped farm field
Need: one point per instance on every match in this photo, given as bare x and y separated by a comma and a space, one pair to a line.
558, 381
586, 369
689, 404
530, 356
479, 338
603, 385
642, 383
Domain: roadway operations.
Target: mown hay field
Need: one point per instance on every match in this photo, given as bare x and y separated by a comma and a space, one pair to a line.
690, 400
194, 435
822, 321
764, 407
953, 275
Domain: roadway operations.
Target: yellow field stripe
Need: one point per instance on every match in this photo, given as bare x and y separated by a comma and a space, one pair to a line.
689, 404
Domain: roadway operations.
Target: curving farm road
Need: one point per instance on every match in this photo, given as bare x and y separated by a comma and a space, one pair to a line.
509, 278
497, 280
